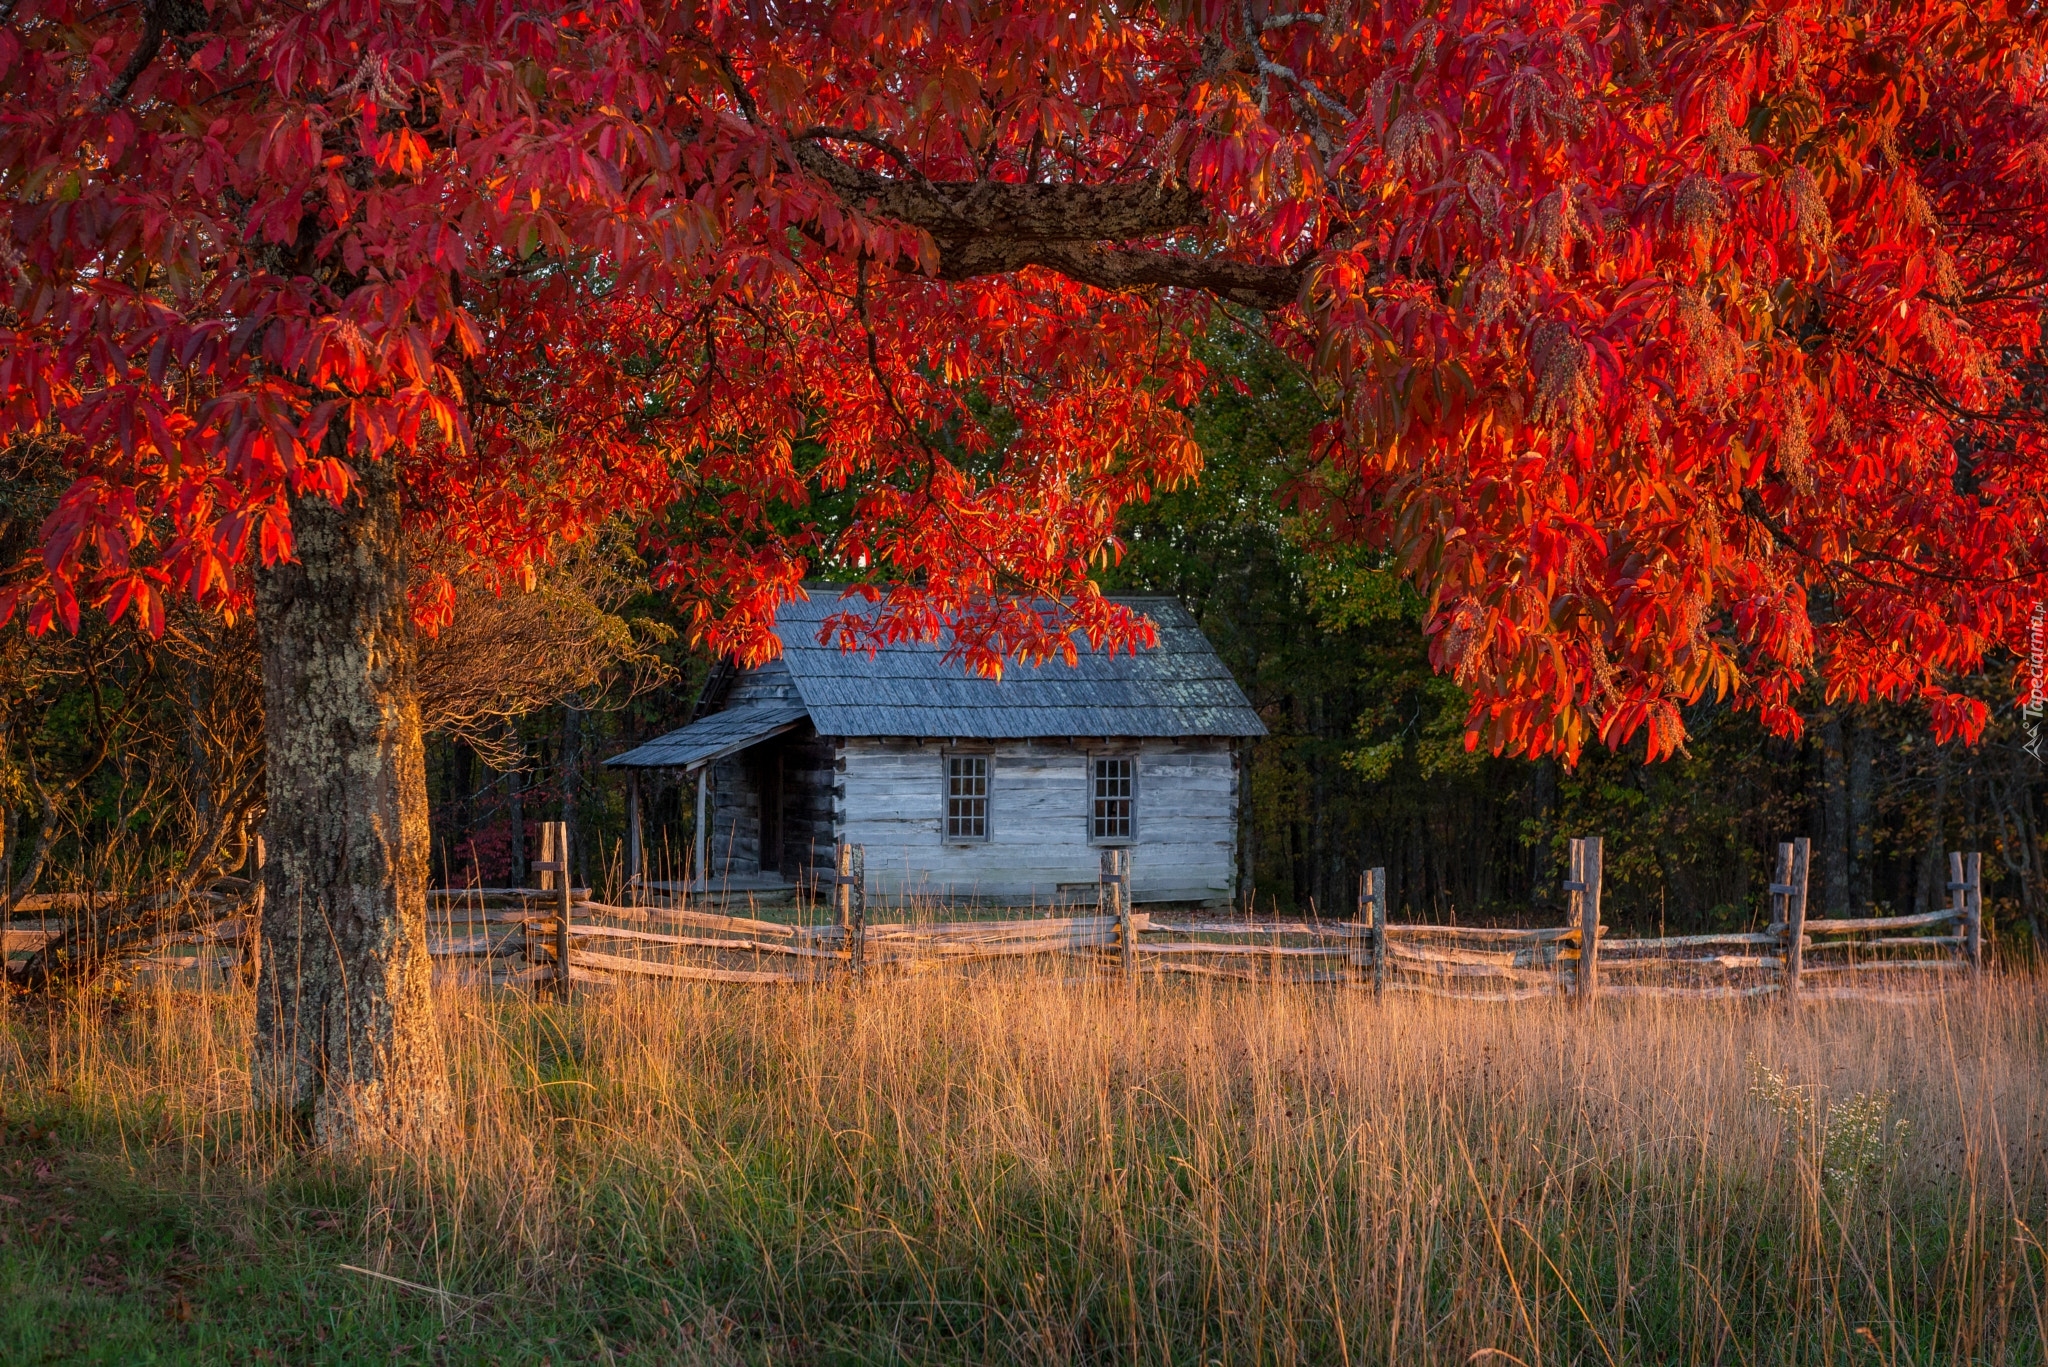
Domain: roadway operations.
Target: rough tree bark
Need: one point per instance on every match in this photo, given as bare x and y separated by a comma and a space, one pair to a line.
346, 1047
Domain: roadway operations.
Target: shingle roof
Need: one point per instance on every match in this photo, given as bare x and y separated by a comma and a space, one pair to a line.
713, 737
1179, 688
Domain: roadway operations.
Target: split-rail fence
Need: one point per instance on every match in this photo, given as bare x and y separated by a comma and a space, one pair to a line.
554, 935
551, 937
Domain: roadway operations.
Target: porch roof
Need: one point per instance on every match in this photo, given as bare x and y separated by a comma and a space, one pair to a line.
714, 737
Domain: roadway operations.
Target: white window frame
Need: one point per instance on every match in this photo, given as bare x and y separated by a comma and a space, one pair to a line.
1129, 757
947, 796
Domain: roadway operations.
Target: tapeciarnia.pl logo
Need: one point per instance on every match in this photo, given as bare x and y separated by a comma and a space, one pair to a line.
2037, 675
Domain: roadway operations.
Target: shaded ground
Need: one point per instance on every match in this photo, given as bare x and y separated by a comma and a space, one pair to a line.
99, 1265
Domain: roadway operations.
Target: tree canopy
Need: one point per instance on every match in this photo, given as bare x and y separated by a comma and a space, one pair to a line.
1671, 350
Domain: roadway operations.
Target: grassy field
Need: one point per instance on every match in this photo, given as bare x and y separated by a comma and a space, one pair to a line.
1017, 1167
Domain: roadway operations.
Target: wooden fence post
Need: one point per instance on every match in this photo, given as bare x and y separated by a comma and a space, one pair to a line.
1582, 886
1372, 909
860, 910
1788, 907
1589, 875
1779, 892
553, 870
850, 906
1966, 900
562, 881
1116, 887
1574, 895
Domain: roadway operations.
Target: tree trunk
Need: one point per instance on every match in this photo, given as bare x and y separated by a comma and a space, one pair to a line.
346, 1047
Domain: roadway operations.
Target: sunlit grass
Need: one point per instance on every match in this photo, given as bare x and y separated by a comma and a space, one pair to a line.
1038, 1166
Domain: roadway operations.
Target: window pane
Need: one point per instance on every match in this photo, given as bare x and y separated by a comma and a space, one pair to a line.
1110, 809
967, 797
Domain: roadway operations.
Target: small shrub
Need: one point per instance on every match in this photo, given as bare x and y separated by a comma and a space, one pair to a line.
1851, 1142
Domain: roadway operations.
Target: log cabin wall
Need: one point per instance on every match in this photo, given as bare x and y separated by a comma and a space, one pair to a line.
809, 809
735, 818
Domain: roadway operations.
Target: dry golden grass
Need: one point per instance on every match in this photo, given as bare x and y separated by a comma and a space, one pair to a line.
1035, 1167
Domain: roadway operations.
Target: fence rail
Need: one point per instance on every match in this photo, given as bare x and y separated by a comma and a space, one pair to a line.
1580, 959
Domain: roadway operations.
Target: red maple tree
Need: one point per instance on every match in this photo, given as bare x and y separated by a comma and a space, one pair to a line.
1680, 350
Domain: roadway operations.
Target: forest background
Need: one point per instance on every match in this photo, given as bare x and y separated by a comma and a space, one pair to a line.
124, 759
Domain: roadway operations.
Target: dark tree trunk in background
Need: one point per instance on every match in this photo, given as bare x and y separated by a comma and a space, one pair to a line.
461, 836
572, 782
1862, 812
1933, 889
515, 785
345, 1038
1543, 802
1834, 816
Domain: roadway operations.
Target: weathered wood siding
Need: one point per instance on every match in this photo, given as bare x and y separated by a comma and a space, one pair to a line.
891, 798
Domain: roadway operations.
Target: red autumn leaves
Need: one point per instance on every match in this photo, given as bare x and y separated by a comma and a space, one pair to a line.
1673, 357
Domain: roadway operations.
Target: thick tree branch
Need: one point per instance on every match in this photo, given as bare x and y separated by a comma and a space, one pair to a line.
138, 62
956, 211
994, 227
1113, 268
161, 19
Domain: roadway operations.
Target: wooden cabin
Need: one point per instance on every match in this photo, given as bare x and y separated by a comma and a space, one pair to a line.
961, 787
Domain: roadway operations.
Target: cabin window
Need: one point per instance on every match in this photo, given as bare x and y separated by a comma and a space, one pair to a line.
967, 797
1113, 792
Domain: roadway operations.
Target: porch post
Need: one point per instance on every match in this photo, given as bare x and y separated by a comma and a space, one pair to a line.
633, 855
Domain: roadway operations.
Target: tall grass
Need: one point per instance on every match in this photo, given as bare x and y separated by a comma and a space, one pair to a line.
1021, 1166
